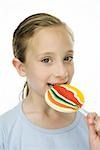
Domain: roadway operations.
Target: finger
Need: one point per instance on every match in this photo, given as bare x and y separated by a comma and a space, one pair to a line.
97, 125
91, 127
92, 118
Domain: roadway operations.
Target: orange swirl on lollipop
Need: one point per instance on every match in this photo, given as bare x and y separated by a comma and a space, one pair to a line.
64, 98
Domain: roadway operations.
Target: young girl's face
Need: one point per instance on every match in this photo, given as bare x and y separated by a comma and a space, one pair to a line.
49, 59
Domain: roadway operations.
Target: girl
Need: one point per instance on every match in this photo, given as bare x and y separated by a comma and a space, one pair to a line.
43, 50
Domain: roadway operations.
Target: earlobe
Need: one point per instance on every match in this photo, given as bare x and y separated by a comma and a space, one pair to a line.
19, 67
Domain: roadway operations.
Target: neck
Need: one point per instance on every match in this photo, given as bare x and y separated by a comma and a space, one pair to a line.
36, 104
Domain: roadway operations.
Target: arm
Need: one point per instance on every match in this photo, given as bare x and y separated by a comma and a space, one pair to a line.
94, 131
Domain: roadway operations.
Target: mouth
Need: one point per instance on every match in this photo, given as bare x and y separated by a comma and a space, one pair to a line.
52, 84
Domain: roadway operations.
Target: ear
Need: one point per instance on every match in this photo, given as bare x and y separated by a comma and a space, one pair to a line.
19, 67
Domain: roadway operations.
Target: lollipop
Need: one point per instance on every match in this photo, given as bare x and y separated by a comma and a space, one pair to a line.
65, 98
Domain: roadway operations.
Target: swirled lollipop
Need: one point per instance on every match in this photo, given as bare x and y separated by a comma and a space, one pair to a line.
64, 98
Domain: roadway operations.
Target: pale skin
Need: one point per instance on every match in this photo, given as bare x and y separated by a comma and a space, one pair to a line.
49, 60
93, 122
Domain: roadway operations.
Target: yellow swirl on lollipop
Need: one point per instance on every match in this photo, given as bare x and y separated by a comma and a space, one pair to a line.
64, 98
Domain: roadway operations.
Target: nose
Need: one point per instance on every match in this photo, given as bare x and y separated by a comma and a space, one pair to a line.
60, 71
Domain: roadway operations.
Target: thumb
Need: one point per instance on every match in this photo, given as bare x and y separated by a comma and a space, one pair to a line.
91, 125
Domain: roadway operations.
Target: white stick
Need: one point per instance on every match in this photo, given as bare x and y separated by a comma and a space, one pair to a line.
83, 111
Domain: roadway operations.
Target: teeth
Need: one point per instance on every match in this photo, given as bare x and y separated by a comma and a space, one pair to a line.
50, 84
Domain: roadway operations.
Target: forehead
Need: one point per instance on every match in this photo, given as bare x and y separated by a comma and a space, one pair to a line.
50, 38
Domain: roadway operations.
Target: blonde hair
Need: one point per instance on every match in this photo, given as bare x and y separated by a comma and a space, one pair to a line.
26, 29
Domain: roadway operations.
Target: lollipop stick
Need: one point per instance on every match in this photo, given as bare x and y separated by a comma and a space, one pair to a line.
83, 111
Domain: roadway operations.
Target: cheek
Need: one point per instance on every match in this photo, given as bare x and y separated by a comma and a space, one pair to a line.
71, 70
39, 74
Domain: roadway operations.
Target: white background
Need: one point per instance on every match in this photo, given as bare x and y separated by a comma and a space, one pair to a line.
83, 16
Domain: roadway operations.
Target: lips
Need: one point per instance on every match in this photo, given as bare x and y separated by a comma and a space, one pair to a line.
52, 84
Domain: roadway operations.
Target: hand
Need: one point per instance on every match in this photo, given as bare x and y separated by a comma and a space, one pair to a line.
94, 131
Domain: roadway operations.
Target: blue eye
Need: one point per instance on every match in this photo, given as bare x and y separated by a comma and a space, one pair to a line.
68, 58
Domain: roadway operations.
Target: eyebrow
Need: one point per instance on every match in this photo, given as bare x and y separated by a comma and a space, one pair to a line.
46, 53
52, 53
70, 51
